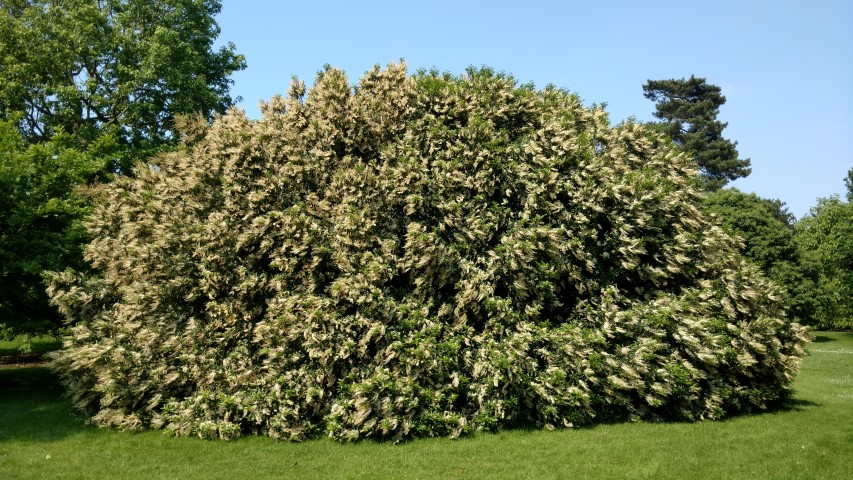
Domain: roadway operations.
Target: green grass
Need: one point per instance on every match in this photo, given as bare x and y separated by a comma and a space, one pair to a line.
24, 344
810, 438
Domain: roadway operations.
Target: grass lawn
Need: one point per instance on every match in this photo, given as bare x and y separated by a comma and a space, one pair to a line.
810, 438
34, 345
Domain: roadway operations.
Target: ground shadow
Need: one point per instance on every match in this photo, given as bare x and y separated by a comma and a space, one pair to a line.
33, 407
823, 339
790, 404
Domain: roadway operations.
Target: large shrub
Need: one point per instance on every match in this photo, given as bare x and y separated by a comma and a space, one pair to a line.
418, 255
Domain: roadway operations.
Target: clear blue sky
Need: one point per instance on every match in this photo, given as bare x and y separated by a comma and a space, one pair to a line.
785, 66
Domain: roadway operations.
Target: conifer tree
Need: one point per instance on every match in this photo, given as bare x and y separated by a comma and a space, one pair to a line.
689, 109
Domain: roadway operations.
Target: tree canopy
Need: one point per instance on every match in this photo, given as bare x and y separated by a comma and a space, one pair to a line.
689, 109
825, 239
88, 88
118, 67
40, 223
416, 256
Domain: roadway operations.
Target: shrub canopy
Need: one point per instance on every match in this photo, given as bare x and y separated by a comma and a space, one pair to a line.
416, 256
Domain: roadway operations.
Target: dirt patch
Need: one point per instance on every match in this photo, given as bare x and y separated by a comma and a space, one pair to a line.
22, 360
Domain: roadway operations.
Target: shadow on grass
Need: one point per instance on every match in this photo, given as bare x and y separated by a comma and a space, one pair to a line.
788, 405
791, 404
823, 339
33, 408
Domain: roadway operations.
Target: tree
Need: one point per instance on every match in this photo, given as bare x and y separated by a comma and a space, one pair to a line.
689, 109
40, 223
91, 87
416, 256
122, 67
825, 239
767, 229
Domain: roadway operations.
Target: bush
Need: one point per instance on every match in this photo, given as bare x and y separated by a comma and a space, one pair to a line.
416, 256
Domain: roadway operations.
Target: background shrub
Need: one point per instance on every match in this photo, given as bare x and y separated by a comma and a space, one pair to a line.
416, 256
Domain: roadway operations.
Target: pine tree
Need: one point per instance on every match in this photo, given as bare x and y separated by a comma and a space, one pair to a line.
689, 109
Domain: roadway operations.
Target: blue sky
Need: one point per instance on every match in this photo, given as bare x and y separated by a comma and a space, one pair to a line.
785, 66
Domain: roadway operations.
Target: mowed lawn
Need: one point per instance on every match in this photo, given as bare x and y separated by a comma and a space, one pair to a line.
810, 438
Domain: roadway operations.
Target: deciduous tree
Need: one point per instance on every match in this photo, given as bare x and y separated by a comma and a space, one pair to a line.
40, 222
89, 87
825, 238
126, 66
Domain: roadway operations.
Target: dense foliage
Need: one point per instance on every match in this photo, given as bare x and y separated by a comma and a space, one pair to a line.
416, 256
40, 223
768, 232
689, 109
87, 89
123, 68
825, 238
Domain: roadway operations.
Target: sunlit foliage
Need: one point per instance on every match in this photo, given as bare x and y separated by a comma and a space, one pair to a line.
825, 240
416, 256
